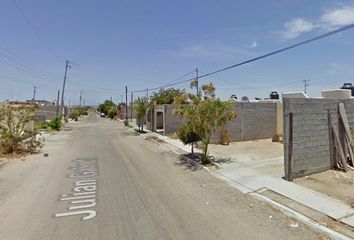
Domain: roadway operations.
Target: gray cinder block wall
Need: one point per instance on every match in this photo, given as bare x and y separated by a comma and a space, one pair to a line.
44, 113
255, 120
171, 122
310, 151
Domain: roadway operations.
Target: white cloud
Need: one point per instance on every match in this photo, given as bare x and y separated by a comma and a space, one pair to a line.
296, 27
338, 17
253, 44
331, 19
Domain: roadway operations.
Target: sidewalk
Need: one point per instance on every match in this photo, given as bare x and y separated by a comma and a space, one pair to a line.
251, 176
253, 171
256, 174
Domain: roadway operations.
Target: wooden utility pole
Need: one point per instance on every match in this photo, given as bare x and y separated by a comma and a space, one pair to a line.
58, 103
67, 65
131, 106
80, 97
126, 103
34, 93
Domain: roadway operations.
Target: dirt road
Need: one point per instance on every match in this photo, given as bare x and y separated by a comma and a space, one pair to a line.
101, 181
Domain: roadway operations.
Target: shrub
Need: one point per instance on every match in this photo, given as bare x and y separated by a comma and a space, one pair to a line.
186, 134
141, 106
44, 125
13, 135
205, 114
205, 159
225, 138
108, 108
55, 124
112, 111
74, 115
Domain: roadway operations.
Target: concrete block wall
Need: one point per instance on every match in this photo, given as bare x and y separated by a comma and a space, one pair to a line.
44, 113
131, 112
150, 119
171, 122
254, 120
311, 150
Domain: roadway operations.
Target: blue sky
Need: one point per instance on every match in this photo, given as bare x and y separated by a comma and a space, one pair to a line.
144, 44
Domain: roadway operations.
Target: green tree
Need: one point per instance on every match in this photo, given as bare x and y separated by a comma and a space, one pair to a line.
166, 96
109, 108
141, 106
204, 115
187, 135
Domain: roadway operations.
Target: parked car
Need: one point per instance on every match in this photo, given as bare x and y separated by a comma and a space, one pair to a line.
102, 115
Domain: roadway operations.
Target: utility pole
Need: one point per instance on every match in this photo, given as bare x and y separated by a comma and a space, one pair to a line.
126, 103
131, 107
306, 84
147, 93
80, 97
126, 106
197, 79
58, 103
34, 93
67, 65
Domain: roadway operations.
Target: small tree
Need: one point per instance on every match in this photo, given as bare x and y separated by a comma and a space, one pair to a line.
204, 115
166, 96
187, 135
112, 111
13, 123
109, 108
141, 106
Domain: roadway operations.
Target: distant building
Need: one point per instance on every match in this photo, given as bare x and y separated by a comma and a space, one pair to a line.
42, 102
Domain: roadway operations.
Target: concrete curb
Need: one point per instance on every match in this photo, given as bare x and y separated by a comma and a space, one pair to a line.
284, 209
184, 158
302, 218
194, 163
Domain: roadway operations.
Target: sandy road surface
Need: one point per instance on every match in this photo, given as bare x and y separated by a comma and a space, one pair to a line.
125, 187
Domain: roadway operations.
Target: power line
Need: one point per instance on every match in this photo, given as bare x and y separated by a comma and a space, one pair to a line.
185, 75
282, 50
35, 30
17, 59
170, 83
20, 69
23, 68
229, 82
23, 81
347, 27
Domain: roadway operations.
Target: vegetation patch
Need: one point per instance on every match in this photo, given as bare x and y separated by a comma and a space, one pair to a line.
109, 108
17, 132
141, 107
54, 124
203, 115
